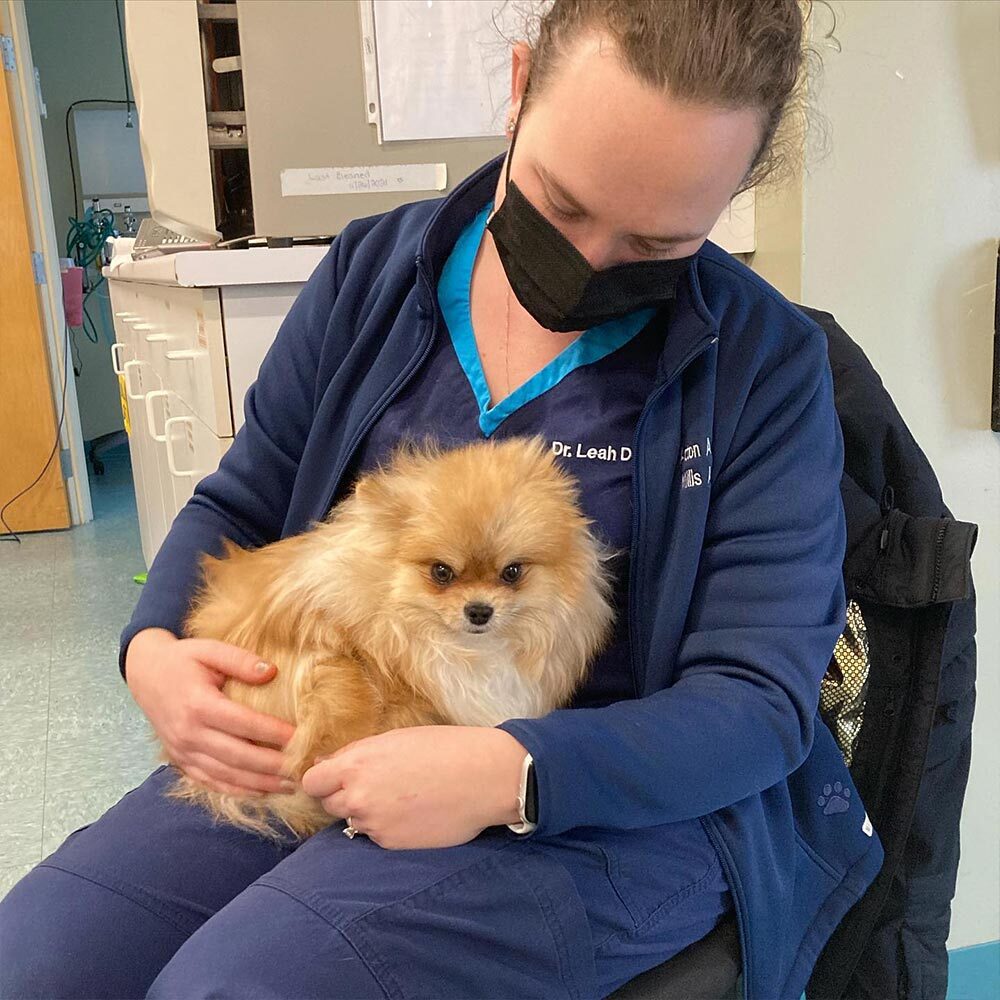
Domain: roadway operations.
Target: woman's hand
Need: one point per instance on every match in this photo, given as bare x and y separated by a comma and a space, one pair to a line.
177, 682
425, 786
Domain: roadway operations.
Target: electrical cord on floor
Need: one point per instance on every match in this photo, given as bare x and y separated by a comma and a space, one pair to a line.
10, 532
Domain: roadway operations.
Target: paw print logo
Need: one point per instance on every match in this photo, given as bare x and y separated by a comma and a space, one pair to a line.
835, 799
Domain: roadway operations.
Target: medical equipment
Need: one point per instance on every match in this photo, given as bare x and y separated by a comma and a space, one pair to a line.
154, 240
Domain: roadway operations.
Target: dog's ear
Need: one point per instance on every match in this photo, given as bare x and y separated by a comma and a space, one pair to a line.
380, 492
391, 488
367, 489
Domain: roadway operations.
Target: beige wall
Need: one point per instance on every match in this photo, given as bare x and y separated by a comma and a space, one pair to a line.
899, 241
74, 44
778, 254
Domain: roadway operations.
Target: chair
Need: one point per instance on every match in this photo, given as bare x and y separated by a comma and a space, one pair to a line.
709, 969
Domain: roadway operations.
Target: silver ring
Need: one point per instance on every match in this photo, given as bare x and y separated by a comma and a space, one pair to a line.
349, 830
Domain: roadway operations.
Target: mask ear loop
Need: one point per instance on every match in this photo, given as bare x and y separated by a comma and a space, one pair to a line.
513, 137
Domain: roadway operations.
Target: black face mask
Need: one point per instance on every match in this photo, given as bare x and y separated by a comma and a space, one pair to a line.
553, 280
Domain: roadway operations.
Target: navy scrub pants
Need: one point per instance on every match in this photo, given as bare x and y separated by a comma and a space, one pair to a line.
153, 900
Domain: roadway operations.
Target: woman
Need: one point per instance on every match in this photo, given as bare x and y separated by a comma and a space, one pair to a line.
566, 292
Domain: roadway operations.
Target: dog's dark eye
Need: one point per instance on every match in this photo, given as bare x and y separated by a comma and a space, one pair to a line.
442, 573
512, 573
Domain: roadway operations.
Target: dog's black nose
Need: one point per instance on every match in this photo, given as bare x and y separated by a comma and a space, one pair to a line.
478, 614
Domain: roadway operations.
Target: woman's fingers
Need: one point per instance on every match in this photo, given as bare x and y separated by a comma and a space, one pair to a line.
215, 743
246, 781
242, 755
195, 773
336, 805
231, 660
226, 715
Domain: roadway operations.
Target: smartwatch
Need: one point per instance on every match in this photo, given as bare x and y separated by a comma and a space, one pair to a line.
527, 799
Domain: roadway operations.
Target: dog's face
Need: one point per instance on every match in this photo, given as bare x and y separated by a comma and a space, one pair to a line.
487, 541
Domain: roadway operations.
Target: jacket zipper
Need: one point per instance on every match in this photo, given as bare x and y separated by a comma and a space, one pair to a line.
415, 362
708, 822
637, 466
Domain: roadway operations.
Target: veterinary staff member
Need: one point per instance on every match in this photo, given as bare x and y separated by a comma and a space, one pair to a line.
567, 291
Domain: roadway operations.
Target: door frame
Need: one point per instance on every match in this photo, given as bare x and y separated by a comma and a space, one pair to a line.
30, 151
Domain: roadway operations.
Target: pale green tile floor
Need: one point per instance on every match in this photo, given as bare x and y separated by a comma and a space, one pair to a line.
73, 740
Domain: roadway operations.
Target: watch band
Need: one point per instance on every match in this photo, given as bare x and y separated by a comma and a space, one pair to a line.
527, 799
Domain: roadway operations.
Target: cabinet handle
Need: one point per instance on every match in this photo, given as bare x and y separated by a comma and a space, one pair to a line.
115, 362
150, 396
171, 464
135, 397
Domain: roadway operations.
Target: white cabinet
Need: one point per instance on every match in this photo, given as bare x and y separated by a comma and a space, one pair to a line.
191, 330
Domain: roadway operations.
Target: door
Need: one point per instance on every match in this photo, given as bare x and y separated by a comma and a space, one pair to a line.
32, 490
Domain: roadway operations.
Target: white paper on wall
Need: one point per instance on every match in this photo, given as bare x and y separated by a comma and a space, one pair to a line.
443, 66
374, 179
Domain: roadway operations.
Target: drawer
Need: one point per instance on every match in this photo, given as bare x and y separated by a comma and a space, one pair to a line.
192, 449
161, 406
178, 331
171, 447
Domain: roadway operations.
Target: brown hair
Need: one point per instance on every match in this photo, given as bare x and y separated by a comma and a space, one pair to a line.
728, 53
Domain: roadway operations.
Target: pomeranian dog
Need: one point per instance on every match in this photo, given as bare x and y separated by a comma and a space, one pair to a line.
459, 587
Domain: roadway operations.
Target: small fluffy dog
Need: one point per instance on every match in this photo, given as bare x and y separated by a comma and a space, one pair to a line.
459, 587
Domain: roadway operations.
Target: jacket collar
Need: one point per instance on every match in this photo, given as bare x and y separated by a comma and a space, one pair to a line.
689, 322
454, 212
